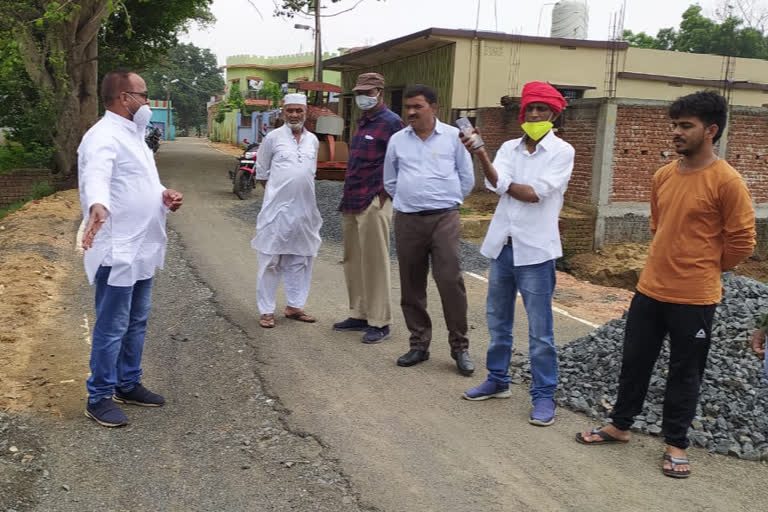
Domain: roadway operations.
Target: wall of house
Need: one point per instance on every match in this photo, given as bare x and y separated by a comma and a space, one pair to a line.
433, 68
226, 131
505, 66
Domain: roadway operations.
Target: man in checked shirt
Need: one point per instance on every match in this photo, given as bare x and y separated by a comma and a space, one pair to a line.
367, 214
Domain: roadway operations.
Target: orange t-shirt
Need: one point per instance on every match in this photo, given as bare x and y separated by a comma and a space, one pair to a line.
703, 223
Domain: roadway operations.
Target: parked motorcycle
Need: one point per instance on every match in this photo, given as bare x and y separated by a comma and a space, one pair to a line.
243, 176
152, 138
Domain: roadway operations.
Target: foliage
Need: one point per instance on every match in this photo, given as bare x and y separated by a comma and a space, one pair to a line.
12, 207
274, 92
699, 34
198, 78
141, 34
50, 56
27, 111
42, 189
234, 101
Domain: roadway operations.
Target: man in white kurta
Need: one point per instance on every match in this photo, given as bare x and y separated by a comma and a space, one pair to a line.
288, 226
124, 210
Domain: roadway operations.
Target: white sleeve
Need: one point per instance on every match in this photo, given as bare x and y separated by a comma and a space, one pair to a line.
503, 165
264, 158
465, 168
555, 178
97, 156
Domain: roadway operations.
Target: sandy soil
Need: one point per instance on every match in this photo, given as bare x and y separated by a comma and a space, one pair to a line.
620, 266
39, 364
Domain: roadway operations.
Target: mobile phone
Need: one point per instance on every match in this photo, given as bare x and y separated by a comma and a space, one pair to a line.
465, 125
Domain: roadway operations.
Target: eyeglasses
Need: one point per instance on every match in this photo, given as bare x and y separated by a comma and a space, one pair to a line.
144, 95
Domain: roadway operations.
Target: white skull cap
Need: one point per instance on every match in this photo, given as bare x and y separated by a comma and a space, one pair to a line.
295, 99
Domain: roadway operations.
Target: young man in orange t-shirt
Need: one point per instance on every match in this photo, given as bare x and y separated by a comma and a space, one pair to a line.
703, 224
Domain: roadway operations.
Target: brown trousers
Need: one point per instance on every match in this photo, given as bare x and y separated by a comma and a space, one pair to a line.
419, 239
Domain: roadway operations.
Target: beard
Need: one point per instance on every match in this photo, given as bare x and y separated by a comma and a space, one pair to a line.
690, 148
296, 126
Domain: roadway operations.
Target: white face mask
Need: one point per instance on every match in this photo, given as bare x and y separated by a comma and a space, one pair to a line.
141, 117
366, 102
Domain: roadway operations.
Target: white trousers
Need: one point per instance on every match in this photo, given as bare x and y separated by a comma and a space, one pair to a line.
296, 272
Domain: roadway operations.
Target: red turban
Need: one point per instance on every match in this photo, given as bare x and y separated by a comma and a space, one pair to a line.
541, 92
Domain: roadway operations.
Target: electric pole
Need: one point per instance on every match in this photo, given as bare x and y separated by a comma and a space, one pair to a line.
318, 46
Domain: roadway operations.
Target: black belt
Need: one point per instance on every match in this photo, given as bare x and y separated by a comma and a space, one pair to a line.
433, 212
508, 241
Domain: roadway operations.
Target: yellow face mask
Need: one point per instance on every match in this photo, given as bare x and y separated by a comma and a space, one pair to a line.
538, 129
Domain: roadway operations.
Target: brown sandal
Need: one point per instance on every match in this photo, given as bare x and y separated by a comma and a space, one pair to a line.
267, 321
301, 316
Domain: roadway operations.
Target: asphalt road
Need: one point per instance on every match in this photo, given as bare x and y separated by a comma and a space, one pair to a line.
402, 436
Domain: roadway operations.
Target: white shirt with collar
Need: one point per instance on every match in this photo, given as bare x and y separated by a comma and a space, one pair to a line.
117, 169
427, 174
289, 221
533, 227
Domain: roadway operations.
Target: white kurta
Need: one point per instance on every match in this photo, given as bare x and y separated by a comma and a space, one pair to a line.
289, 221
117, 170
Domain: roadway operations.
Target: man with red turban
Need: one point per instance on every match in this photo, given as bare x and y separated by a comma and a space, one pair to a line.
530, 175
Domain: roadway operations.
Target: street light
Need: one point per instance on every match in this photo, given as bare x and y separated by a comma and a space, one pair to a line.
168, 106
318, 75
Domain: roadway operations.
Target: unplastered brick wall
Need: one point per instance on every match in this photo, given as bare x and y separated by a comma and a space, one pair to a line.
643, 144
579, 128
17, 185
748, 149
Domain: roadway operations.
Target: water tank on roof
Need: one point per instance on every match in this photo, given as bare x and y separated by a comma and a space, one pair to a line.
570, 19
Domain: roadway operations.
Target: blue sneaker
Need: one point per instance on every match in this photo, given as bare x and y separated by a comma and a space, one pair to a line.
486, 390
543, 414
106, 413
138, 396
351, 324
375, 334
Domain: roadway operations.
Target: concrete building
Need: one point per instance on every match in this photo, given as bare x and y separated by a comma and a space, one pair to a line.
160, 117
616, 119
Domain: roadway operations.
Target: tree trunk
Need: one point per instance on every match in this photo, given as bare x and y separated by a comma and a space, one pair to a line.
75, 84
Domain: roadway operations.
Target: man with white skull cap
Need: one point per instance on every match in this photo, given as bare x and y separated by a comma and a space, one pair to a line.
288, 226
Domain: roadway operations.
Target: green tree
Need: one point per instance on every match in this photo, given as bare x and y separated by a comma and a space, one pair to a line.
699, 34
198, 77
58, 44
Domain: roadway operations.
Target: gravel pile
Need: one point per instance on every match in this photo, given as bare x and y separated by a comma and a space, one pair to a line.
732, 415
328, 199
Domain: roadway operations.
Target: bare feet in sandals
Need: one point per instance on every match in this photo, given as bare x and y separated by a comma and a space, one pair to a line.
267, 321
675, 463
606, 435
298, 314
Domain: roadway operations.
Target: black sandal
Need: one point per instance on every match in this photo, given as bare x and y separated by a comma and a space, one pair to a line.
674, 462
605, 438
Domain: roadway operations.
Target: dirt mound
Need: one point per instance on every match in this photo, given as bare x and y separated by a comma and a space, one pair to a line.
41, 364
613, 265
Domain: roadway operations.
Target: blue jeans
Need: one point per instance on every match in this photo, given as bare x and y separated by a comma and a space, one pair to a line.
118, 335
536, 284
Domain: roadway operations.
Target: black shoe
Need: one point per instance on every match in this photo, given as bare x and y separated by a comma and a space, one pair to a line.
351, 324
464, 363
106, 413
139, 395
412, 357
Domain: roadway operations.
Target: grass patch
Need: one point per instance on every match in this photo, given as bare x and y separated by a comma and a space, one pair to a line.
15, 156
466, 211
12, 208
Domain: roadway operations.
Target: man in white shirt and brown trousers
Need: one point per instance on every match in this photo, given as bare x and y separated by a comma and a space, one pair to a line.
124, 207
428, 173
530, 174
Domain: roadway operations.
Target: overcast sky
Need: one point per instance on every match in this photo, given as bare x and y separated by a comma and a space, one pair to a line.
240, 30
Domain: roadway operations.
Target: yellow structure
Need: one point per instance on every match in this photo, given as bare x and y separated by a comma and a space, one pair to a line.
484, 66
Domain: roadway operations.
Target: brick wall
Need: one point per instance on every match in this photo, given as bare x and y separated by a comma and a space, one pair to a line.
577, 230
17, 185
579, 128
748, 149
642, 135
